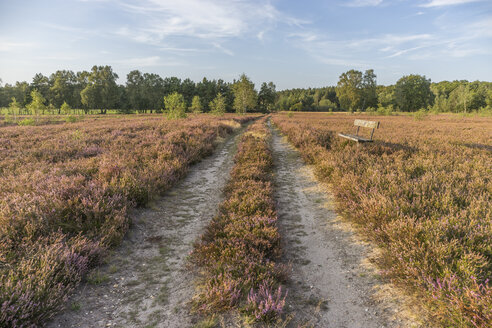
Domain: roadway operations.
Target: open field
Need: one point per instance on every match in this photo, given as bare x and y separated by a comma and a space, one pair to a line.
65, 195
246, 164
250, 236
423, 193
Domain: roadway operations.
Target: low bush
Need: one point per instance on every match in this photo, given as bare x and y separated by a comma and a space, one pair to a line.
27, 121
71, 119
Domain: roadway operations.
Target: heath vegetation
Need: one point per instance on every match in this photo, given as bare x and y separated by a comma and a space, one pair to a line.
65, 193
423, 192
239, 249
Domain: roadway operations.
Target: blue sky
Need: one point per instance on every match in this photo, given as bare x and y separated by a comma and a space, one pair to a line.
292, 43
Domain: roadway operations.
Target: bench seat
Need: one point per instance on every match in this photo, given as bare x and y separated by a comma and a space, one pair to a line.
354, 137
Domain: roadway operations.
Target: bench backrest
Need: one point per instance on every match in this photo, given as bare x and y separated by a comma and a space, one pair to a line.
367, 124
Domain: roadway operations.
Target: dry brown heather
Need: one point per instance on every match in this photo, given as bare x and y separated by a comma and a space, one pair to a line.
423, 192
65, 191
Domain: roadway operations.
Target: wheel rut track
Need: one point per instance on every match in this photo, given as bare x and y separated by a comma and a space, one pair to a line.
327, 285
148, 281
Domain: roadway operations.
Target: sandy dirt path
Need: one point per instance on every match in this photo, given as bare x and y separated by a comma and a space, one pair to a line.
328, 287
147, 281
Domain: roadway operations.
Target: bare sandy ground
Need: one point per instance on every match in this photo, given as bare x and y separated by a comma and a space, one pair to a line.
147, 282
328, 287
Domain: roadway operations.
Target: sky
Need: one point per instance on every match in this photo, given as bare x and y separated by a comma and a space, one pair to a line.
293, 43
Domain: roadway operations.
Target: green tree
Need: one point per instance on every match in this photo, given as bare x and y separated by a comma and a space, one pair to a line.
282, 102
196, 105
175, 105
460, 98
172, 84
42, 84
218, 105
488, 98
317, 98
207, 90
244, 94
297, 106
386, 95
412, 92
135, 90
37, 103
62, 88
187, 89
369, 89
14, 108
65, 108
101, 91
82, 80
153, 91
441, 103
326, 104
266, 97
349, 89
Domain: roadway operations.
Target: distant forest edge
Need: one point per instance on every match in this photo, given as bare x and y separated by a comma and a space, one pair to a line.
96, 91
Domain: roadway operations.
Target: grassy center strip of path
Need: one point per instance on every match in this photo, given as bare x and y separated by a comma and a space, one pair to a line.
239, 249
69, 200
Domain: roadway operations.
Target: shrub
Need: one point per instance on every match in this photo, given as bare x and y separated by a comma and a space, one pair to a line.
420, 114
175, 106
27, 121
71, 119
218, 105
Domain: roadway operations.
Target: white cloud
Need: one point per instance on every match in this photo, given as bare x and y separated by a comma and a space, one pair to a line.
326, 51
442, 3
364, 3
180, 50
260, 35
402, 52
209, 20
467, 40
351, 53
223, 49
147, 62
10, 46
448, 40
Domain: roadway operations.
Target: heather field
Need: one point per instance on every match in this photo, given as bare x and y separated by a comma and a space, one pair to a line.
422, 192
246, 164
111, 221
66, 191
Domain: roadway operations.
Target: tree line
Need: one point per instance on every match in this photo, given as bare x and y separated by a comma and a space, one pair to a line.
357, 91
65, 92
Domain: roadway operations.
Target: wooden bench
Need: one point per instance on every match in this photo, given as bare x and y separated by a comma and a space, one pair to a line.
361, 123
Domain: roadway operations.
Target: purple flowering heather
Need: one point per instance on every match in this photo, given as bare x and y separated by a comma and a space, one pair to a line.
265, 304
65, 192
